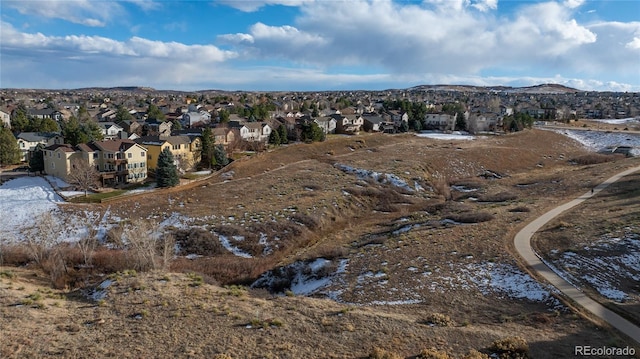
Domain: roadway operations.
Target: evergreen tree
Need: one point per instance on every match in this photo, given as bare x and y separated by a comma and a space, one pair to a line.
311, 132
36, 162
274, 138
154, 113
123, 115
404, 126
461, 123
220, 156
19, 120
206, 157
9, 150
224, 116
166, 172
282, 132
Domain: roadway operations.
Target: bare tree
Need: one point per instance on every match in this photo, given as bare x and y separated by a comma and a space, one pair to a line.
42, 237
83, 175
168, 249
141, 240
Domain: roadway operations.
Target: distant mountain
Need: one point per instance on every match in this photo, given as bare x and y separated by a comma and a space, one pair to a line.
537, 89
119, 88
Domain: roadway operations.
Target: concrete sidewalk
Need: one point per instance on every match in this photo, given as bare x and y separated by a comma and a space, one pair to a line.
522, 241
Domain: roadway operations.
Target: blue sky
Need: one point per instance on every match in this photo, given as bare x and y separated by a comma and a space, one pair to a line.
319, 44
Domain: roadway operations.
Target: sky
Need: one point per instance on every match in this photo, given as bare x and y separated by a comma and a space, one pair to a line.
315, 45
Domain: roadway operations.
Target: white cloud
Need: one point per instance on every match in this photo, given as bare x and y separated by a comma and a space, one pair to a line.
485, 5
93, 13
254, 5
633, 44
85, 12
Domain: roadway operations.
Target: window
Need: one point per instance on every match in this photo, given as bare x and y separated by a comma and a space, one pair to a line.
142, 164
95, 155
58, 155
22, 144
106, 167
104, 155
142, 154
129, 155
149, 157
53, 165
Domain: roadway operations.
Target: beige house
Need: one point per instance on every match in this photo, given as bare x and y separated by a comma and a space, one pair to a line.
223, 136
117, 161
186, 150
440, 121
27, 142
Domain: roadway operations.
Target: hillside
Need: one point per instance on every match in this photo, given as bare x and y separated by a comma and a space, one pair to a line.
394, 242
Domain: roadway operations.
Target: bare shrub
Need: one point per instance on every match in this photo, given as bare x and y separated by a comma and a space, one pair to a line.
595, 158
310, 222
433, 353
167, 250
471, 217
440, 185
440, 320
379, 353
198, 241
141, 240
111, 260
497, 197
511, 348
520, 209
15, 255
42, 237
114, 236
225, 269
331, 252
474, 354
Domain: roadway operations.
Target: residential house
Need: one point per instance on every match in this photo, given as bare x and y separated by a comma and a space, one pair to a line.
156, 128
117, 161
186, 150
440, 121
5, 119
398, 117
483, 122
110, 130
191, 118
348, 124
27, 142
223, 136
131, 126
45, 113
327, 124
252, 131
376, 123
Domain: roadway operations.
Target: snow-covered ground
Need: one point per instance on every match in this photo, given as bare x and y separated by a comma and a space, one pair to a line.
456, 135
611, 265
601, 141
377, 176
620, 121
22, 200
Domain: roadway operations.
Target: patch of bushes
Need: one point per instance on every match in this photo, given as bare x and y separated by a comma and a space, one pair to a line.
433, 353
470, 217
595, 158
497, 197
198, 241
519, 209
308, 221
439, 320
379, 353
510, 348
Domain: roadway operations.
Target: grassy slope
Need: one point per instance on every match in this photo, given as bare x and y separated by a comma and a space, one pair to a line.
181, 320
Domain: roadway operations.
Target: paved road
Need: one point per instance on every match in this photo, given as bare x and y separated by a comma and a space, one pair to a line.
522, 243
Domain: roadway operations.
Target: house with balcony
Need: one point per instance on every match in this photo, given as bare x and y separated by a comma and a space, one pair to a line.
348, 124
116, 161
27, 142
440, 121
186, 150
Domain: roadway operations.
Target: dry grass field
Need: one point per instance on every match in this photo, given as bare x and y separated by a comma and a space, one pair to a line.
421, 259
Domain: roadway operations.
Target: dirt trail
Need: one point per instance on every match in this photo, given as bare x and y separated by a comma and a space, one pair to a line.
522, 241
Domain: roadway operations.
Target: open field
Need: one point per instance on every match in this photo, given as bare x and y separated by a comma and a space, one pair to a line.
408, 227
